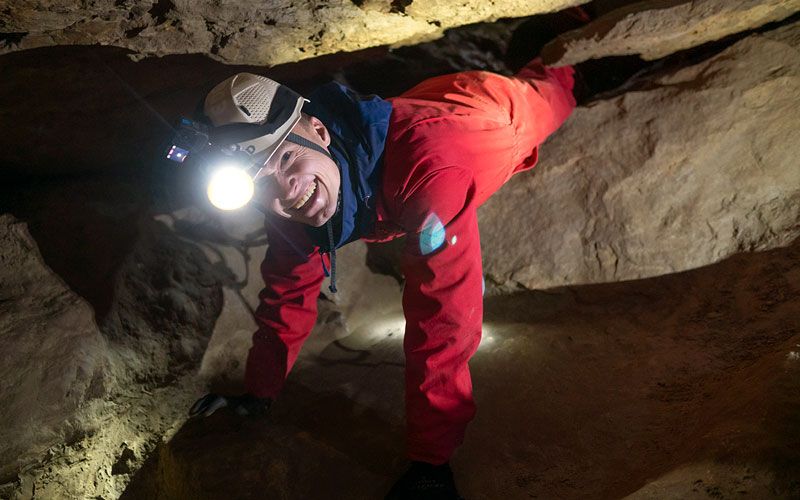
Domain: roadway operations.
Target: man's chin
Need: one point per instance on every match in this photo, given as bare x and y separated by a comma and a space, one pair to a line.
319, 222
314, 222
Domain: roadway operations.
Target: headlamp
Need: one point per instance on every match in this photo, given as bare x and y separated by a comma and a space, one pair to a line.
230, 187
230, 172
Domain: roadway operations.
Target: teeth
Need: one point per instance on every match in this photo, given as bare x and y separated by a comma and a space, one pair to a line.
302, 201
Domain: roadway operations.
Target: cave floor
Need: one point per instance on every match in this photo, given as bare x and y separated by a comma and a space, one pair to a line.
683, 386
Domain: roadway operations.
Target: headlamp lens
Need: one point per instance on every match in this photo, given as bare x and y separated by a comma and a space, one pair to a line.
230, 188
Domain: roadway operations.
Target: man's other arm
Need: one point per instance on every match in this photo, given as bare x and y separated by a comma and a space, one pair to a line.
287, 308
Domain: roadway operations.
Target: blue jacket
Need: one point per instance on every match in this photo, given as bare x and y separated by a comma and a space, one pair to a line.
358, 126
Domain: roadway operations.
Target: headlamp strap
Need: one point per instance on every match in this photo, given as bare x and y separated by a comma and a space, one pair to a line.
302, 141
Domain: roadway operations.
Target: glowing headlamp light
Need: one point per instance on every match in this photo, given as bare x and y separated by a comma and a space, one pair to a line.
230, 173
230, 187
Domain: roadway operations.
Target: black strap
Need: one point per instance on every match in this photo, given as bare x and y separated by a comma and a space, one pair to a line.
332, 253
302, 141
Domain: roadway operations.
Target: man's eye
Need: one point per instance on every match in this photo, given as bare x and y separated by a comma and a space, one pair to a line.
286, 157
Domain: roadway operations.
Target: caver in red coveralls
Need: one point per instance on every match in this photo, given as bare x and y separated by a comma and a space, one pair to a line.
452, 141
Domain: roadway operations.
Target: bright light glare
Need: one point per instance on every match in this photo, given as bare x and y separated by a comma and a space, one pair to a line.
230, 188
393, 326
488, 337
432, 235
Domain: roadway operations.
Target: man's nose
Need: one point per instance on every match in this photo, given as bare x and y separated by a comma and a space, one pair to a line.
283, 184
286, 184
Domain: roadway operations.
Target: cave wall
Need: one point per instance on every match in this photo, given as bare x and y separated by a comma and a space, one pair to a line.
104, 315
688, 163
689, 166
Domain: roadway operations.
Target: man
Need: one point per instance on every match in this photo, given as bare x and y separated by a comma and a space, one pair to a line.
418, 165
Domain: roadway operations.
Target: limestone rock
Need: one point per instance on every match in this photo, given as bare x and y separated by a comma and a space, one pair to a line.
698, 164
104, 314
54, 355
590, 392
657, 28
710, 479
250, 32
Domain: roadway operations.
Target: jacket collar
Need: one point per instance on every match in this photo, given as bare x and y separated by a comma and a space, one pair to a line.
358, 126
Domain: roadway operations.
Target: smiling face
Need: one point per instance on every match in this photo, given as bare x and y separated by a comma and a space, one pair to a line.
298, 183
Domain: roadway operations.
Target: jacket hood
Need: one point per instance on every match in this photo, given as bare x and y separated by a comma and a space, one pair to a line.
358, 126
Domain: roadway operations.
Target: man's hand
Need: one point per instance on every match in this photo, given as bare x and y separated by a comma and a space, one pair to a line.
245, 405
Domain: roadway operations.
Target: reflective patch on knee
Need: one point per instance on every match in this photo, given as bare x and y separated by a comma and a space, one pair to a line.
432, 235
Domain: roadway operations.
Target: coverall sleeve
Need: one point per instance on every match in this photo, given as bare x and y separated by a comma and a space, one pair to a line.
551, 103
287, 308
443, 306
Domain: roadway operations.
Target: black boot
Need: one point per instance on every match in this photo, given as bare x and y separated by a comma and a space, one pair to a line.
424, 481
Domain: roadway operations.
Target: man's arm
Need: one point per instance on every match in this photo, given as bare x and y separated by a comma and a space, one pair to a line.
287, 308
443, 306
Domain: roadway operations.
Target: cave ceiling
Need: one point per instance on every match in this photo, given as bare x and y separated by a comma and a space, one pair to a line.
248, 32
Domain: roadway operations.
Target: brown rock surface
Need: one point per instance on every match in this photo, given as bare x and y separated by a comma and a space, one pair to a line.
55, 359
692, 166
685, 384
657, 28
104, 314
257, 33
594, 390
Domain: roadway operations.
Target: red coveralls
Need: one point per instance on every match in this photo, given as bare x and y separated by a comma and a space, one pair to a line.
453, 140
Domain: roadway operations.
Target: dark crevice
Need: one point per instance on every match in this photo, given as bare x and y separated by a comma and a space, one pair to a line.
535, 32
399, 6
611, 76
13, 38
224, 39
507, 49
223, 42
316, 38
134, 31
160, 10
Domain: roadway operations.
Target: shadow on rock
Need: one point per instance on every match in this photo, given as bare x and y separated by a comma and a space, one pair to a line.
597, 391
84, 228
312, 445
688, 378
99, 111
